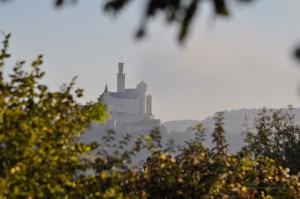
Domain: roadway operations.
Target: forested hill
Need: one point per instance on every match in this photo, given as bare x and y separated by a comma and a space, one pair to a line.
234, 125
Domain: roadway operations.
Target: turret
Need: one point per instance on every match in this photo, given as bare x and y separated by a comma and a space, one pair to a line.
149, 105
121, 78
106, 89
104, 96
142, 89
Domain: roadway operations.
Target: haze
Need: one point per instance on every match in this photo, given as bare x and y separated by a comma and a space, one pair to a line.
241, 62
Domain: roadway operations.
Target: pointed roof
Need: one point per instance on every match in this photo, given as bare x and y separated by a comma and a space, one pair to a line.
104, 92
106, 89
142, 84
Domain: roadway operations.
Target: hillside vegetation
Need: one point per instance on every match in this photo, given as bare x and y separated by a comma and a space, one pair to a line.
236, 124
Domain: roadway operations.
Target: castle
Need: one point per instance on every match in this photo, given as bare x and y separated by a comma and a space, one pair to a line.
130, 109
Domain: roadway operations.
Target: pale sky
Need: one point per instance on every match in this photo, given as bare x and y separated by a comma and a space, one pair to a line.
241, 62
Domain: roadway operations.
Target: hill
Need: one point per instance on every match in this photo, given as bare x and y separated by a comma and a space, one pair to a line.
234, 126
180, 131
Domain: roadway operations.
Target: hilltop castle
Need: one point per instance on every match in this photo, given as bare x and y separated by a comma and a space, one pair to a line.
130, 109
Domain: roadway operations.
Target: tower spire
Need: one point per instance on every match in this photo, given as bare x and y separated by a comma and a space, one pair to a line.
121, 78
106, 89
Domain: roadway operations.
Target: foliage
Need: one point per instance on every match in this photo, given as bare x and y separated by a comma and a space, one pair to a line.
41, 155
40, 152
204, 174
199, 172
176, 11
219, 133
276, 136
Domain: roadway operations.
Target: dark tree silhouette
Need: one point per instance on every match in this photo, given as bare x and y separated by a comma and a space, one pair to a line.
181, 12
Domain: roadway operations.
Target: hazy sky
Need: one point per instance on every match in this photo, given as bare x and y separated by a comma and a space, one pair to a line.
241, 62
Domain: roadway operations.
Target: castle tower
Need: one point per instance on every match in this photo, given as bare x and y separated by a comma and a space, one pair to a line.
142, 89
149, 105
121, 78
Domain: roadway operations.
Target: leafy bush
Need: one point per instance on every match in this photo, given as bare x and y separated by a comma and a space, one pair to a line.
199, 172
40, 152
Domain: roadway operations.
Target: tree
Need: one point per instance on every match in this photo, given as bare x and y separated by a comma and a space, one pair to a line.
200, 172
219, 133
276, 136
40, 152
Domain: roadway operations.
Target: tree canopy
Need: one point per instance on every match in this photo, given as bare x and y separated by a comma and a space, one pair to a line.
276, 136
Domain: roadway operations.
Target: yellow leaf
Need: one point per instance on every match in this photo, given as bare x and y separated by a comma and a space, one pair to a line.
163, 156
103, 175
180, 180
244, 189
173, 160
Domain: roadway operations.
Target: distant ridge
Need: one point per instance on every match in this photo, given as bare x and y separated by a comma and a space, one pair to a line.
180, 132
233, 124
180, 125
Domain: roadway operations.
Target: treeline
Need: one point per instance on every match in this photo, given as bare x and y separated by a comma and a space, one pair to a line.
41, 155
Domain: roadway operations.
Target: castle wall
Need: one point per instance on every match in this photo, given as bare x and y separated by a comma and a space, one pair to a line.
141, 128
124, 106
128, 118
